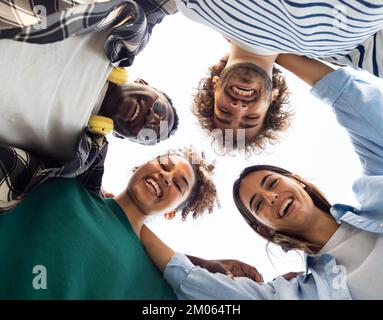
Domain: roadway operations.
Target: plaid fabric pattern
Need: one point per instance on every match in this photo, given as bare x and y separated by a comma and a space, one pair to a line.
47, 21
156, 10
21, 171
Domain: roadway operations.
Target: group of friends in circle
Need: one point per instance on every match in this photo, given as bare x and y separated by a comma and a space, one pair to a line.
63, 70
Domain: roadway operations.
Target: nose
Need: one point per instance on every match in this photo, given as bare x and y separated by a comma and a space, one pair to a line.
238, 104
270, 197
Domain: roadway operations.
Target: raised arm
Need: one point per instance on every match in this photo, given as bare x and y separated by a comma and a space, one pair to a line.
309, 70
356, 99
192, 282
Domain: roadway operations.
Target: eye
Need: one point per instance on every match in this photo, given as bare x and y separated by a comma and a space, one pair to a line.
159, 110
273, 183
258, 206
162, 165
178, 187
223, 110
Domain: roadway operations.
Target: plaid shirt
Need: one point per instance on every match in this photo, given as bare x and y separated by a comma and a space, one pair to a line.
21, 171
47, 21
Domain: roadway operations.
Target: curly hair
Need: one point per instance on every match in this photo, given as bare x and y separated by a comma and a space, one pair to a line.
203, 196
278, 117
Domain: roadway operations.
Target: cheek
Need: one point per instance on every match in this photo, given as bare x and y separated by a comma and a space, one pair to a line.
264, 218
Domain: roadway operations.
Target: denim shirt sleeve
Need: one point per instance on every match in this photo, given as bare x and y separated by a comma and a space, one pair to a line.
190, 282
358, 106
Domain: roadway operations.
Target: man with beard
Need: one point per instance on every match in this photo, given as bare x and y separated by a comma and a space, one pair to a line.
244, 101
338, 32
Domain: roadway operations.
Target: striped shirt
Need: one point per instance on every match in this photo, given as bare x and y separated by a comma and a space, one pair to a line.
346, 32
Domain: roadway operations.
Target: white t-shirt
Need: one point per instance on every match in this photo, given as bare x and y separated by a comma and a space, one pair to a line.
48, 92
361, 254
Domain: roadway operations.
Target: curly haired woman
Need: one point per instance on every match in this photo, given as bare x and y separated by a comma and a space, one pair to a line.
87, 247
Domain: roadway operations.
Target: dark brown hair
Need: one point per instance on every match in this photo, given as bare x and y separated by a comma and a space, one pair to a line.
203, 196
286, 242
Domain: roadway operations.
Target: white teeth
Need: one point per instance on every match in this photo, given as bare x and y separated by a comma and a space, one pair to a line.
284, 206
155, 185
136, 113
242, 91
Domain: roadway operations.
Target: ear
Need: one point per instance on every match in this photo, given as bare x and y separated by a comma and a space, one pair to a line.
170, 215
141, 81
215, 81
274, 94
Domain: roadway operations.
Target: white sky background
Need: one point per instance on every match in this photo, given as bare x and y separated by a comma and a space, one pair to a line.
316, 147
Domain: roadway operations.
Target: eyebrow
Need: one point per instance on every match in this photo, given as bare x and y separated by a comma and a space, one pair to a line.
224, 121
262, 185
264, 179
247, 126
185, 180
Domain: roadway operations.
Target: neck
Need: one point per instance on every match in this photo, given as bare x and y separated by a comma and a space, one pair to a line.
322, 229
237, 54
135, 216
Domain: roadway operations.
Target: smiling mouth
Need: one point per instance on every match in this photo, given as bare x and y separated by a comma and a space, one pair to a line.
284, 209
154, 187
242, 93
245, 92
135, 113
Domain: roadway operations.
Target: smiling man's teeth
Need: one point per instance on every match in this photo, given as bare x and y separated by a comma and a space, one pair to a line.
155, 185
242, 91
285, 206
136, 113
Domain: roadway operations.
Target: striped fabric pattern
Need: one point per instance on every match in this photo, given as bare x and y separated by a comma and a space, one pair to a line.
335, 30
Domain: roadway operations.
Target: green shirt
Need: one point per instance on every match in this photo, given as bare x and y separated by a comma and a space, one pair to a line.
77, 245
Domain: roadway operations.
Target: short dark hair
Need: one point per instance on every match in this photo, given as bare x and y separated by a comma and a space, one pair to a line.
174, 128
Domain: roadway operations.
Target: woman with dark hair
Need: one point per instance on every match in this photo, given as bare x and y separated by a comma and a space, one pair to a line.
342, 244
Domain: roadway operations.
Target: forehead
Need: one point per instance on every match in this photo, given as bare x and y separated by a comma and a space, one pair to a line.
181, 166
249, 133
252, 184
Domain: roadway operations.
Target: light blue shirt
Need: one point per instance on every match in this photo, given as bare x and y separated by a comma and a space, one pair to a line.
358, 106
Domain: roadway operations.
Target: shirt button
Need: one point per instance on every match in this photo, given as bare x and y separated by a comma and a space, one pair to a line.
361, 220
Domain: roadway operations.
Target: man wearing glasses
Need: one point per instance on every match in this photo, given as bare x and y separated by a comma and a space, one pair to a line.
139, 112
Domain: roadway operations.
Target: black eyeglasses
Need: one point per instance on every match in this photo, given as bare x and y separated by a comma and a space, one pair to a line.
159, 109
